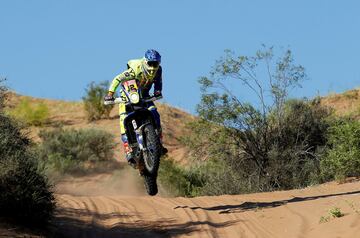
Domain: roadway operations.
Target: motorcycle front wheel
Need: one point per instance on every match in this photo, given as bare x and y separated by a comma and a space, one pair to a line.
153, 147
150, 184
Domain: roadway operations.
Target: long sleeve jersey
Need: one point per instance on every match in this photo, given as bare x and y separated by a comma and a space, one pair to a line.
134, 72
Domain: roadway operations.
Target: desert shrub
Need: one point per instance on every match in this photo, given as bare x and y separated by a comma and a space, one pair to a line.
336, 212
94, 101
342, 159
36, 114
56, 164
174, 178
295, 147
66, 150
270, 144
25, 194
351, 94
3, 91
219, 177
287, 154
211, 177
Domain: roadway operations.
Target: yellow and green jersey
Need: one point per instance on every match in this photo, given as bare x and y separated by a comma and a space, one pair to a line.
134, 71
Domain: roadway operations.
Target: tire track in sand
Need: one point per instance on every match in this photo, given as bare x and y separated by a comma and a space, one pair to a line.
253, 215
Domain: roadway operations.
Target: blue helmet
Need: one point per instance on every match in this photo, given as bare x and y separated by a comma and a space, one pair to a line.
151, 63
153, 55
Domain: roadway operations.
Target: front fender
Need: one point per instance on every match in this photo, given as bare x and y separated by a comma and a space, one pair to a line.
140, 135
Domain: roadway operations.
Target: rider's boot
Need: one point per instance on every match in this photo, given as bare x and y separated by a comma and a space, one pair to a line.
132, 162
141, 168
129, 155
163, 149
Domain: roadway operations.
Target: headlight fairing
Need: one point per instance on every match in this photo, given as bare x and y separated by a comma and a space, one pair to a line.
134, 98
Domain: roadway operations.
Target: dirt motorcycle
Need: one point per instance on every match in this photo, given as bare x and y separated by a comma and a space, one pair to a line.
142, 132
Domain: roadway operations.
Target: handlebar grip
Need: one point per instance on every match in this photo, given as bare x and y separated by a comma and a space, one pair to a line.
109, 102
119, 100
153, 98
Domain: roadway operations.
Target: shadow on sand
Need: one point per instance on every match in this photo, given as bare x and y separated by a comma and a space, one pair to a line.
247, 206
68, 224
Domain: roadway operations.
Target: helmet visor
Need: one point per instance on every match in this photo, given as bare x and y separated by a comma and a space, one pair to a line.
150, 71
153, 64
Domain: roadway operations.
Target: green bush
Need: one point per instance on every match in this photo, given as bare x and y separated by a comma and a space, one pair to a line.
342, 159
94, 101
219, 177
212, 177
67, 150
31, 114
179, 181
351, 94
3, 91
295, 147
268, 157
336, 212
25, 194
174, 178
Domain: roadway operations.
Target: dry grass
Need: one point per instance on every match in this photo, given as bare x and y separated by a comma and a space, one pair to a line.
344, 104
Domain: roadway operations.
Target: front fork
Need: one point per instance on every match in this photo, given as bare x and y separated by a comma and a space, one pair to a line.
139, 135
140, 153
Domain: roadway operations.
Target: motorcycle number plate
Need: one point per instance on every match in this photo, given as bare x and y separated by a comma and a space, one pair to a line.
131, 86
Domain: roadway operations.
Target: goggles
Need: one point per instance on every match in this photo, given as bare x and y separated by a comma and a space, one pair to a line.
153, 64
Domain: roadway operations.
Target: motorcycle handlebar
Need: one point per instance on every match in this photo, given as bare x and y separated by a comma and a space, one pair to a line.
120, 100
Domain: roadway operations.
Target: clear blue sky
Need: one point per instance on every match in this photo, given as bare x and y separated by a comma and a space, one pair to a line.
53, 49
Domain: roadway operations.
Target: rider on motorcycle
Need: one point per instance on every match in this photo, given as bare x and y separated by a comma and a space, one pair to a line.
146, 71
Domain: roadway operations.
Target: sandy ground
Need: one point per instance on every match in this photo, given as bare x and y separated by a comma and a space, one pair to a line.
115, 205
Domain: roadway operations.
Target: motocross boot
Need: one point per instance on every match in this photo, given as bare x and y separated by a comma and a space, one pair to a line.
132, 163
129, 155
162, 148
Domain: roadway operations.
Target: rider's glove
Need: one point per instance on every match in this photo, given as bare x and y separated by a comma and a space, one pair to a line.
109, 98
157, 94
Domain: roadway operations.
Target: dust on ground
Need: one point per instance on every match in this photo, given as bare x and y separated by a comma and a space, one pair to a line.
125, 182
